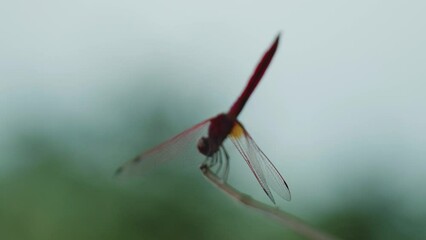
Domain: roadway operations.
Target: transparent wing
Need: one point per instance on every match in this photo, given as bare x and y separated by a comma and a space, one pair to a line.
265, 172
183, 145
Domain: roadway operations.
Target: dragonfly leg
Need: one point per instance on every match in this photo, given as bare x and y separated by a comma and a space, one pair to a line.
211, 161
207, 163
226, 170
219, 161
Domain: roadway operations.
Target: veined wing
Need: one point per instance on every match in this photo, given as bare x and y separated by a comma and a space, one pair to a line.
176, 147
265, 172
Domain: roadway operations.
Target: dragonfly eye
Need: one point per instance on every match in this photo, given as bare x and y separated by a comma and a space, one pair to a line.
203, 146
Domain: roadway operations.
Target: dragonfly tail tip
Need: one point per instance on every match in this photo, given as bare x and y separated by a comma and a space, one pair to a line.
277, 38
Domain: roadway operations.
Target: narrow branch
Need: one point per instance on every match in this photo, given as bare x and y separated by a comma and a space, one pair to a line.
286, 219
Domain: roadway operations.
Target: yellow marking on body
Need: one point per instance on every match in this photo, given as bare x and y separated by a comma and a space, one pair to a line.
237, 131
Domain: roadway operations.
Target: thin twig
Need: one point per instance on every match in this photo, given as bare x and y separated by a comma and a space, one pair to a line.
286, 219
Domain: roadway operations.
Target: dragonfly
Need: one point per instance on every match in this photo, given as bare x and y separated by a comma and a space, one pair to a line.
208, 138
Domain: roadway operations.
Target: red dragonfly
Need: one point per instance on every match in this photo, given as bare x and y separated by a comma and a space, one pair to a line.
219, 128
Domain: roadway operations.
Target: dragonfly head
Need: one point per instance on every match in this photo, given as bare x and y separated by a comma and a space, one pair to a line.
205, 146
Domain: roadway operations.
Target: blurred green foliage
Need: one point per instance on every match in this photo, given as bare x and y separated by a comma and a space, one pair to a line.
52, 195
54, 200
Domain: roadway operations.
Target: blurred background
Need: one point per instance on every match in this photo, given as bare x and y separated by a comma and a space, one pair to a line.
86, 85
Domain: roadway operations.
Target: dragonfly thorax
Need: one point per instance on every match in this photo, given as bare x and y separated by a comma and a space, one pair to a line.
220, 127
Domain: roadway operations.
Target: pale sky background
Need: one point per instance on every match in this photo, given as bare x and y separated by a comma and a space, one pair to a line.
343, 101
